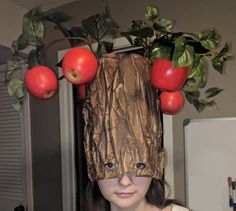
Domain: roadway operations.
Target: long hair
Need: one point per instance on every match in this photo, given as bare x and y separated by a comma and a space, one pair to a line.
155, 196
94, 199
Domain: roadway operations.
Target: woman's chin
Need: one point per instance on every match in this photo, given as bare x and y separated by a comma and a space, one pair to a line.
125, 201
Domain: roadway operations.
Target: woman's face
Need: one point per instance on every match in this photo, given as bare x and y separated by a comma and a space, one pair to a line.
125, 192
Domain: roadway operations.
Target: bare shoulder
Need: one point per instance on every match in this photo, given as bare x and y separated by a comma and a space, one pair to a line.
178, 208
175, 208
168, 208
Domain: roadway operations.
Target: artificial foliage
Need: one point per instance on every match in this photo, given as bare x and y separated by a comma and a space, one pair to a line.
155, 35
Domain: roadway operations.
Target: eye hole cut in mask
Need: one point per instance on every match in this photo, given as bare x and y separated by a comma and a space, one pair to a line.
110, 166
140, 165
122, 120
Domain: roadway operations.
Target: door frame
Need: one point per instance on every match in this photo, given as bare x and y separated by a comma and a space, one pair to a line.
28, 154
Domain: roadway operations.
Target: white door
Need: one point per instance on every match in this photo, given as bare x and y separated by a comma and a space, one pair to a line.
210, 149
15, 162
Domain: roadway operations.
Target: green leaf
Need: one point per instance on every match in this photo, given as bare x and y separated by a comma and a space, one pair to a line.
197, 74
33, 27
108, 46
198, 48
200, 105
211, 92
22, 42
137, 25
209, 39
12, 66
183, 54
201, 81
140, 42
144, 32
193, 40
57, 17
107, 11
220, 58
42, 57
139, 29
163, 43
76, 32
151, 13
198, 68
36, 57
163, 25
192, 96
190, 37
161, 51
19, 44
212, 104
101, 28
32, 58
103, 48
191, 85
16, 88
14, 46
17, 105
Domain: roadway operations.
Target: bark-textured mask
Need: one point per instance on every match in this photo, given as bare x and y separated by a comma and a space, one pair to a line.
122, 124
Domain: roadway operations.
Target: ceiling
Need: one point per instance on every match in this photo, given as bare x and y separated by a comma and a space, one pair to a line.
43, 4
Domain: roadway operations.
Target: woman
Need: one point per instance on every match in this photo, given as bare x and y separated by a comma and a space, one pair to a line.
123, 146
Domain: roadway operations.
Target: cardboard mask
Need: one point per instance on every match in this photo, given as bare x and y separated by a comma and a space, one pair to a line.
122, 122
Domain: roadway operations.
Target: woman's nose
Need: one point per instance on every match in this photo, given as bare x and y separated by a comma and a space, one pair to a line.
126, 179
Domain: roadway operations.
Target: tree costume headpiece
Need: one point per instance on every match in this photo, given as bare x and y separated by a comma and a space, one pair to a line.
122, 120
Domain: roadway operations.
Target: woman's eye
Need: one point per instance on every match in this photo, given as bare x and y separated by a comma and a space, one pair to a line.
140, 165
110, 166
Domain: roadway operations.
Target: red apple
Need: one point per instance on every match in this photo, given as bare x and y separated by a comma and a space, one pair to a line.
171, 102
41, 82
166, 77
79, 65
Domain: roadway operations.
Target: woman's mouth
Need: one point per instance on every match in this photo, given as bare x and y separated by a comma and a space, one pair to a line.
124, 194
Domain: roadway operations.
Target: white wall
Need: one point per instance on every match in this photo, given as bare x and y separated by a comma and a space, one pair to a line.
10, 22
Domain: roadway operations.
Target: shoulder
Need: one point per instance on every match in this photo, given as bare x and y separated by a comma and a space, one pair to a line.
178, 208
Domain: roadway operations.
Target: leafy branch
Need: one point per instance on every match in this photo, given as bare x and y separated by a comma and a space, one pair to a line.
154, 35
184, 49
99, 28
